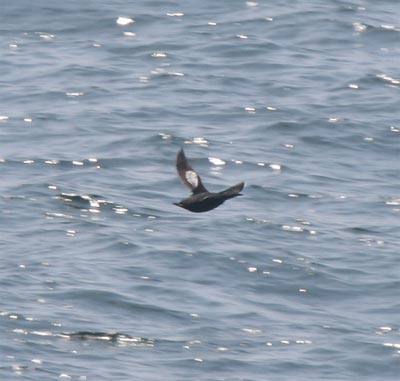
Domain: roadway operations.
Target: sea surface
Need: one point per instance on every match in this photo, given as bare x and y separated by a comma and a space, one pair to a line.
102, 278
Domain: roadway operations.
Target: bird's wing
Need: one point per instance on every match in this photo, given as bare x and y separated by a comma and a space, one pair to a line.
188, 175
233, 190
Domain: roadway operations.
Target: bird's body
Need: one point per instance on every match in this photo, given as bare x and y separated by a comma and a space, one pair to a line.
201, 199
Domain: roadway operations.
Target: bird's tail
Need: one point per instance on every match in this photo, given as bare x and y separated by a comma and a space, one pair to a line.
232, 191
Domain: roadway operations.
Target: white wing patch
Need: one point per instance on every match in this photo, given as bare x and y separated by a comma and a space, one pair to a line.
192, 178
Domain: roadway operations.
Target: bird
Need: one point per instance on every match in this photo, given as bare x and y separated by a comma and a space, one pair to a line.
201, 199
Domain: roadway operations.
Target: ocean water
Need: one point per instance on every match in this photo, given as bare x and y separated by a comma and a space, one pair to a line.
103, 278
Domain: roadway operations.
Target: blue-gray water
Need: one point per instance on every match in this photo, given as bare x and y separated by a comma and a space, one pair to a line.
102, 278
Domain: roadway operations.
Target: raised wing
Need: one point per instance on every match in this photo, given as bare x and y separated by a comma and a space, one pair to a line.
188, 175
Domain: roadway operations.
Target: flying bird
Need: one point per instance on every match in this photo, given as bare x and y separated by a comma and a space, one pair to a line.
201, 199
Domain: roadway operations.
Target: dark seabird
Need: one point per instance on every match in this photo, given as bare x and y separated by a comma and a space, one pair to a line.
201, 199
